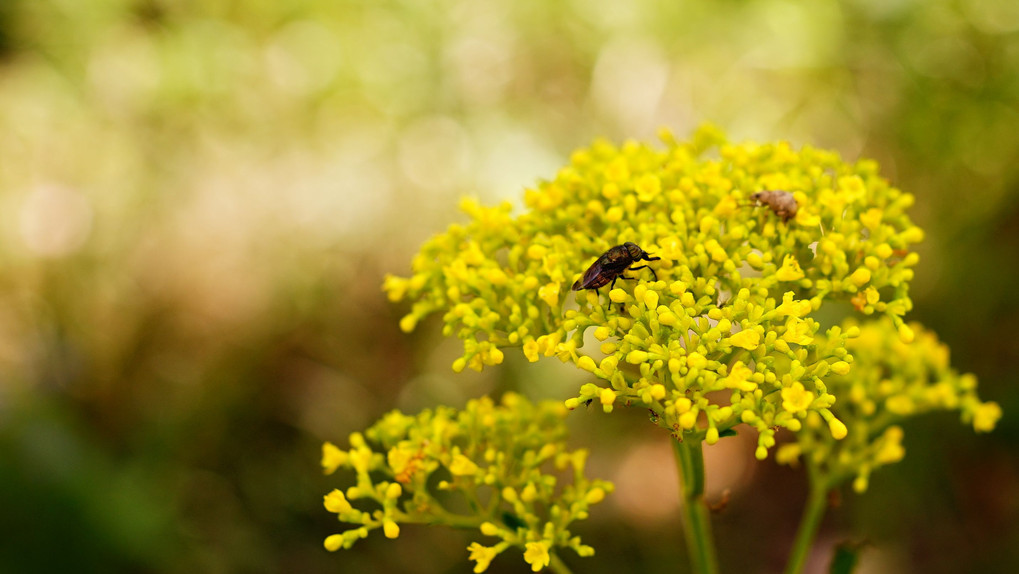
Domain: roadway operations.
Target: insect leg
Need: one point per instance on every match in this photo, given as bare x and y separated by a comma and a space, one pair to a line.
643, 267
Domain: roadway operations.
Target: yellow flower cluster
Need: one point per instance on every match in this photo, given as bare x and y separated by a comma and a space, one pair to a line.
508, 461
726, 334
890, 381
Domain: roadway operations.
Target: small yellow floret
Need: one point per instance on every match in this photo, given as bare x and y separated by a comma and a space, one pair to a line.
462, 466
790, 270
336, 502
796, 398
332, 457
537, 555
748, 339
986, 417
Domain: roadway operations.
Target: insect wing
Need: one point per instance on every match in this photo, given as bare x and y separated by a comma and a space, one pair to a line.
608, 266
594, 277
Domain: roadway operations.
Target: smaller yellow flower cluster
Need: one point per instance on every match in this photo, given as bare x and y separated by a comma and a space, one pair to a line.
891, 380
509, 461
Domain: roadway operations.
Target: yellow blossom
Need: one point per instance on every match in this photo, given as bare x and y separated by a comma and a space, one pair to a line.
482, 555
790, 270
332, 457
986, 417
748, 339
336, 502
549, 293
796, 398
462, 466
537, 555
738, 378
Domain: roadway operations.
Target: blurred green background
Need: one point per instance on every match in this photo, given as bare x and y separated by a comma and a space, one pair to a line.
200, 200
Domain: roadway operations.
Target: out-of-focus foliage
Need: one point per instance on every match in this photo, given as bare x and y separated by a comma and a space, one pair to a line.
198, 197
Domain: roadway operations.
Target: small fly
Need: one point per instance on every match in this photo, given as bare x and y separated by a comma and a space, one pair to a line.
782, 203
612, 264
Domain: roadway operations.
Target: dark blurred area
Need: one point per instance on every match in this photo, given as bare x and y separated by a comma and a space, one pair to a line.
199, 201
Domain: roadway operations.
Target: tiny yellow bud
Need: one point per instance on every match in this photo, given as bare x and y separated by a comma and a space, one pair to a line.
390, 528
408, 322
840, 367
607, 396
860, 277
333, 542
608, 364
529, 493
394, 490
666, 317
636, 357
837, 428
595, 495
586, 363
696, 361
651, 299
602, 333
711, 437
489, 529
617, 295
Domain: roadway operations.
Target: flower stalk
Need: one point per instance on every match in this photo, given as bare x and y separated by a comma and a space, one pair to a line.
696, 514
810, 523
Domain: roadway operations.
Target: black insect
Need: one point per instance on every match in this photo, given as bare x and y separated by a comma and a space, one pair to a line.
782, 203
612, 264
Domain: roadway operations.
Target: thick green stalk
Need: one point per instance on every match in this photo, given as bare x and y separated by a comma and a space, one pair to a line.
696, 515
813, 512
558, 566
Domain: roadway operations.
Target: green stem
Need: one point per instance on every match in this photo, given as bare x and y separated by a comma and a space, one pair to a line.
558, 566
817, 503
696, 515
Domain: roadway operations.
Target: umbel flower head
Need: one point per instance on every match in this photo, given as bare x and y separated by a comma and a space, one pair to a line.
890, 382
505, 467
721, 330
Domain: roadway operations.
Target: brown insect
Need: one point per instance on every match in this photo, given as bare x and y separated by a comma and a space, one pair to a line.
782, 203
612, 264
